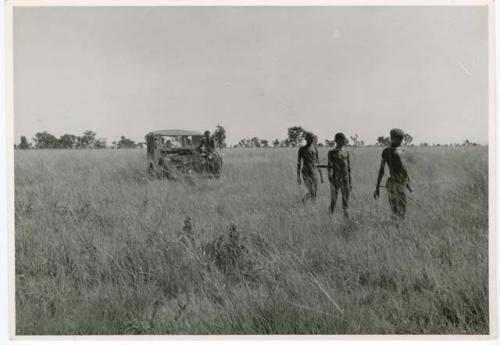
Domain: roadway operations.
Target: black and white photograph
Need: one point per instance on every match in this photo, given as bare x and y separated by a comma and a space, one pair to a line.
214, 170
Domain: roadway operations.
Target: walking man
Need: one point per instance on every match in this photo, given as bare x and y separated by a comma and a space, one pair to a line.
339, 173
399, 179
307, 162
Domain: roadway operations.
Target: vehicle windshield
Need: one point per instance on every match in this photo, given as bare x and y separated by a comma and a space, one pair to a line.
174, 142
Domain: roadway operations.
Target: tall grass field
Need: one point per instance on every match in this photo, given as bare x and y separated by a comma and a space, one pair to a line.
101, 248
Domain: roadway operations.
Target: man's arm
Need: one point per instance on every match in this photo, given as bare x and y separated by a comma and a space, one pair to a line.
299, 159
330, 169
317, 163
404, 171
381, 172
349, 170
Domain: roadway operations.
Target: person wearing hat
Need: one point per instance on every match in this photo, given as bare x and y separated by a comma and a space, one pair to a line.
339, 173
399, 179
307, 165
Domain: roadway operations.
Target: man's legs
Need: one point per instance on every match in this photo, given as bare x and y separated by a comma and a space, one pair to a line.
345, 198
397, 199
314, 188
308, 183
401, 202
311, 183
393, 198
333, 195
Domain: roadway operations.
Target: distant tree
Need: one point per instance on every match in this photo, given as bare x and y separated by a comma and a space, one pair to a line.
424, 144
87, 140
295, 135
242, 143
141, 145
362, 143
383, 141
330, 143
67, 141
320, 145
407, 139
24, 144
114, 144
264, 143
255, 142
355, 140
100, 143
220, 136
469, 143
125, 143
285, 143
44, 140
276, 143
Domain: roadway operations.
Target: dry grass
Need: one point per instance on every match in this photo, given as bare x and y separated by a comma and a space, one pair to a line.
102, 249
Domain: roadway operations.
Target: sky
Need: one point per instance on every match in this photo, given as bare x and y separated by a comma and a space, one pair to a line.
254, 70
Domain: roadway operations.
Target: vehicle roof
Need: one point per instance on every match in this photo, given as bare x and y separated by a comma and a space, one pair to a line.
174, 132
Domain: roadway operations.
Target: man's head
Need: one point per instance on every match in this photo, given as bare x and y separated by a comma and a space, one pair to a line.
309, 138
207, 134
340, 139
397, 136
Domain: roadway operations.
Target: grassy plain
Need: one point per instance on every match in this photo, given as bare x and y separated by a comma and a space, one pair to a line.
103, 249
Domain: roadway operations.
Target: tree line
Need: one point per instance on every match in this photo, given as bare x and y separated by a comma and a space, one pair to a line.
294, 137
88, 140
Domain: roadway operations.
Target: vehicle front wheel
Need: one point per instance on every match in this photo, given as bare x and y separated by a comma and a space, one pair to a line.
151, 170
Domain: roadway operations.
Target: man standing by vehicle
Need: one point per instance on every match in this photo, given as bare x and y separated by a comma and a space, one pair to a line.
207, 144
306, 163
207, 147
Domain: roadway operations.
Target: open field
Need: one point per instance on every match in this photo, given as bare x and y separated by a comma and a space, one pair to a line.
103, 249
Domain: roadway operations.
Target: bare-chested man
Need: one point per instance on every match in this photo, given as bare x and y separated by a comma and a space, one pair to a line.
399, 178
307, 162
339, 173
